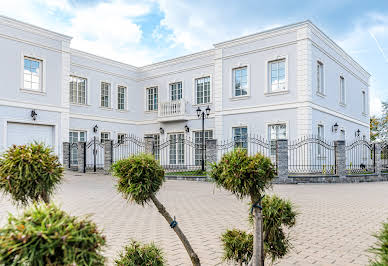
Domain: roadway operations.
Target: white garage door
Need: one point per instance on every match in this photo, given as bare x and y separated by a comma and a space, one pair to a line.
19, 133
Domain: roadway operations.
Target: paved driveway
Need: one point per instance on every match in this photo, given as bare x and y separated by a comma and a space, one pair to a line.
334, 226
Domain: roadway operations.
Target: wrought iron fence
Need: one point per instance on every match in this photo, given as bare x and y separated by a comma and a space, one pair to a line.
360, 157
94, 154
384, 157
179, 154
127, 146
252, 143
311, 156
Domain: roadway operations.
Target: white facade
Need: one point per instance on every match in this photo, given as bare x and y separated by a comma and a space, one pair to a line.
74, 91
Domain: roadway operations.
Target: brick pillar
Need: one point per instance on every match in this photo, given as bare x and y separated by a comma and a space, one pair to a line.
148, 144
108, 155
81, 157
211, 151
340, 158
282, 158
378, 161
66, 155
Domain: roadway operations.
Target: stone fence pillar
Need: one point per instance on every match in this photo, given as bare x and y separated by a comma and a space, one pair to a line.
66, 155
81, 157
282, 158
378, 161
108, 155
211, 151
340, 158
148, 144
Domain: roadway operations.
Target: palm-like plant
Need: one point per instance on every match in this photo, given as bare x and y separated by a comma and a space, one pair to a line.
139, 179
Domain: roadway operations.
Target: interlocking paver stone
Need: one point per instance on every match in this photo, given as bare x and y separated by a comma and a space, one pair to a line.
335, 224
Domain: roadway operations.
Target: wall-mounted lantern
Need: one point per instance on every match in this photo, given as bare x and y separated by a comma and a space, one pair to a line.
335, 128
34, 114
161, 130
187, 129
95, 129
357, 133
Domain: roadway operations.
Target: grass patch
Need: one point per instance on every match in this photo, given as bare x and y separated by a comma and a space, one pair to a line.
187, 173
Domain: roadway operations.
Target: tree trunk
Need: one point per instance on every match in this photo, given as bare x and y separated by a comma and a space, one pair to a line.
162, 210
44, 196
258, 241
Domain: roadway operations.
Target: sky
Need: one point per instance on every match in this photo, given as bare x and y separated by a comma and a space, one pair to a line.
146, 31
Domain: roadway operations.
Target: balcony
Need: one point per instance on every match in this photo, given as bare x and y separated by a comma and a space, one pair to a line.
172, 111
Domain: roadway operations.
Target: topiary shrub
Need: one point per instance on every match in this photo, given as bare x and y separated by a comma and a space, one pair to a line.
137, 254
278, 215
29, 173
139, 178
238, 246
380, 249
246, 176
46, 235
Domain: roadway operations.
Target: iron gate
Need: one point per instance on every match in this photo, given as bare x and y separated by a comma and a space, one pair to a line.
127, 146
384, 157
94, 154
360, 157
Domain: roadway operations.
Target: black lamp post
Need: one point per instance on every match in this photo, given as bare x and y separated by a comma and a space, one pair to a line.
203, 114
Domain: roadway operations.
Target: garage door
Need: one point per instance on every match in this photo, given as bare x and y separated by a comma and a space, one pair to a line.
19, 133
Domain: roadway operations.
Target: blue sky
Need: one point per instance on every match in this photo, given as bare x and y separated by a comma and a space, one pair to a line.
145, 31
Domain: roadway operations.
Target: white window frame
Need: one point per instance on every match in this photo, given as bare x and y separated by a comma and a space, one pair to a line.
109, 95
233, 135
146, 99
77, 92
104, 132
268, 88
342, 90
170, 91
176, 155
125, 97
121, 135
195, 89
42, 74
232, 81
320, 78
194, 140
364, 102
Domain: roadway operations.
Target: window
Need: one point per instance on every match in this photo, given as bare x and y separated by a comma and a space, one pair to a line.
105, 136
77, 90
177, 148
240, 83
275, 132
121, 137
121, 97
152, 99
198, 144
277, 75
363, 102
202, 90
176, 91
32, 74
240, 137
156, 145
320, 84
321, 136
342, 90
74, 137
105, 94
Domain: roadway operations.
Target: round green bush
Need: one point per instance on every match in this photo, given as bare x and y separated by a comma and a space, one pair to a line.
137, 254
242, 174
380, 249
139, 177
29, 172
46, 235
238, 246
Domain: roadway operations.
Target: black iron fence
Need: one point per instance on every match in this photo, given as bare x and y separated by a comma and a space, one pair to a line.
126, 147
360, 157
252, 143
94, 153
311, 156
384, 157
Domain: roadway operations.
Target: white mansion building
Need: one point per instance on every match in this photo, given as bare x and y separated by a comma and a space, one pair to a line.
286, 82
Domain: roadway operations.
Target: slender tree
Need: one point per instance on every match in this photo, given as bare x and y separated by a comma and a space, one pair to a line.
139, 179
247, 176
